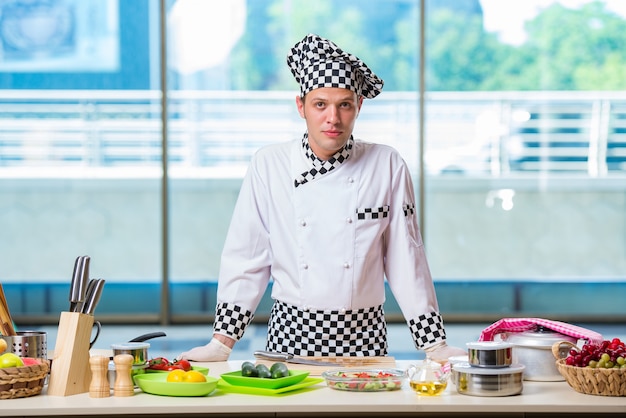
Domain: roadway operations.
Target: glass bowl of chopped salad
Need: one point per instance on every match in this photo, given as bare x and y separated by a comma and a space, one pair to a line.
366, 380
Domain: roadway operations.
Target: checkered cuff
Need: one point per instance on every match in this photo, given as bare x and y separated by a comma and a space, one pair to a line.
231, 320
427, 330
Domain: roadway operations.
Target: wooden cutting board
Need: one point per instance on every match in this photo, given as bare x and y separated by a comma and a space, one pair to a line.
347, 362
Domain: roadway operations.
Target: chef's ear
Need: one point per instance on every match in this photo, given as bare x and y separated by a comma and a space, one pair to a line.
300, 105
359, 103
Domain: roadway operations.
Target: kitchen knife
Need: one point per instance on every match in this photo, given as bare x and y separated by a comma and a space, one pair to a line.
290, 358
94, 291
84, 281
76, 289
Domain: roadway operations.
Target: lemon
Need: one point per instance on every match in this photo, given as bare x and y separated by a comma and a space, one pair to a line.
194, 376
176, 376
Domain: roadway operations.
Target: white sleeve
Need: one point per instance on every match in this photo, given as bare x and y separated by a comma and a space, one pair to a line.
246, 257
406, 266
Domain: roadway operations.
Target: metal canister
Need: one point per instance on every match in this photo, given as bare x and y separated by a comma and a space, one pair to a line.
28, 344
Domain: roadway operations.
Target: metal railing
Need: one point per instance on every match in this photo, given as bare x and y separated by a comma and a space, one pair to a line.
216, 133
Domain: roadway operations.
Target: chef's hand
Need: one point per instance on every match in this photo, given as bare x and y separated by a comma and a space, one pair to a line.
215, 350
441, 352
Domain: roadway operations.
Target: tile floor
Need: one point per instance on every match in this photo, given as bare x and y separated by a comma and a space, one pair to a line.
183, 337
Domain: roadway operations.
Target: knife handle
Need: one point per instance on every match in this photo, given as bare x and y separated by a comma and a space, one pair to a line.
271, 355
93, 297
75, 286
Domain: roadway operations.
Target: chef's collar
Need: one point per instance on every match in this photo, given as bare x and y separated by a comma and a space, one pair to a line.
317, 62
320, 167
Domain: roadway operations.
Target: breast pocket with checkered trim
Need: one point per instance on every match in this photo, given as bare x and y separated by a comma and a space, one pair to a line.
370, 225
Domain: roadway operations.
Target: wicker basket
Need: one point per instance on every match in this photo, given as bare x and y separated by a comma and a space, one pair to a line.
593, 381
21, 382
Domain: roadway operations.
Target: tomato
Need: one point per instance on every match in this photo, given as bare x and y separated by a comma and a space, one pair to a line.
159, 363
184, 364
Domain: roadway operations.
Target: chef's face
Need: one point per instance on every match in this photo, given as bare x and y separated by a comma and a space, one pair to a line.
330, 114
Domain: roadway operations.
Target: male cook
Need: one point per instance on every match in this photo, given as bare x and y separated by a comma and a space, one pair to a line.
327, 217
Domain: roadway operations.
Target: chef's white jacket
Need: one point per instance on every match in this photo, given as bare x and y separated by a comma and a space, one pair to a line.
310, 242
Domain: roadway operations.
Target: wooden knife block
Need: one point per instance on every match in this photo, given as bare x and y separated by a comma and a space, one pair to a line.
70, 373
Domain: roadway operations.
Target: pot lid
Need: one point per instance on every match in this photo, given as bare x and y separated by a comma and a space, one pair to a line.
540, 337
488, 345
130, 346
491, 371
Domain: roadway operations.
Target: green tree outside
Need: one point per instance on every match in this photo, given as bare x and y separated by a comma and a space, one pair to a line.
566, 49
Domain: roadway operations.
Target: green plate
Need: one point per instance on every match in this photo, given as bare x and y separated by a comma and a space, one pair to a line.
155, 384
202, 370
236, 379
227, 387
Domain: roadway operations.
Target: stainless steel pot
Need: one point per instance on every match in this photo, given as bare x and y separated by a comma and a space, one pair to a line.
482, 381
490, 354
534, 350
138, 349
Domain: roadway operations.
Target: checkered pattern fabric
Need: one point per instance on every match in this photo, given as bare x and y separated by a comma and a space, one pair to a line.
409, 209
301, 332
321, 167
373, 213
231, 320
427, 329
317, 62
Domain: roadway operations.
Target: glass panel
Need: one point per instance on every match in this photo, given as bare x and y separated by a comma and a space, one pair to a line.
230, 97
524, 128
524, 153
80, 153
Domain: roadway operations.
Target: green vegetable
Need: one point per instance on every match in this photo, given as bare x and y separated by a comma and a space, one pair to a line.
263, 371
276, 371
279, 370
249, 370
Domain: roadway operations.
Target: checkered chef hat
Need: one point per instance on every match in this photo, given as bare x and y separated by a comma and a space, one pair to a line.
317, 62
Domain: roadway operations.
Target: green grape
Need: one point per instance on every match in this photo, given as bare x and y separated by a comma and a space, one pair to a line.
609, 364
620, 360
593, 364
605, 357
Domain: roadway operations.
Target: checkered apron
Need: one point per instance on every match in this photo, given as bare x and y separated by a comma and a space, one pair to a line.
302, 332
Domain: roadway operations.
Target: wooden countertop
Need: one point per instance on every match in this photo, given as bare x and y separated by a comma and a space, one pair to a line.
537, 399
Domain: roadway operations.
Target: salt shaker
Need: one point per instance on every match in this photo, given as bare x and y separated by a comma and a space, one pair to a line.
123, 381
99, 386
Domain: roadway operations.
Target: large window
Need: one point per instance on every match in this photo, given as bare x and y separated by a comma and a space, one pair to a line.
513, 123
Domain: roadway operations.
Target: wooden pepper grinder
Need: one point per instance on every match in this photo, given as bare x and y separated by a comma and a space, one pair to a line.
99, 386
123, 380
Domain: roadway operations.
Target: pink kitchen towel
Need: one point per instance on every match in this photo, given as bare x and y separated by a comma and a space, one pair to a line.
528, 324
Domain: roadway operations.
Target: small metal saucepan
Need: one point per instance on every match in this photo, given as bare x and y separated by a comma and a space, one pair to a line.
136, 348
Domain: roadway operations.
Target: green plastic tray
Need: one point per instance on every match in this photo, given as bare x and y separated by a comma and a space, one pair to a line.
227, 387
236, 379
